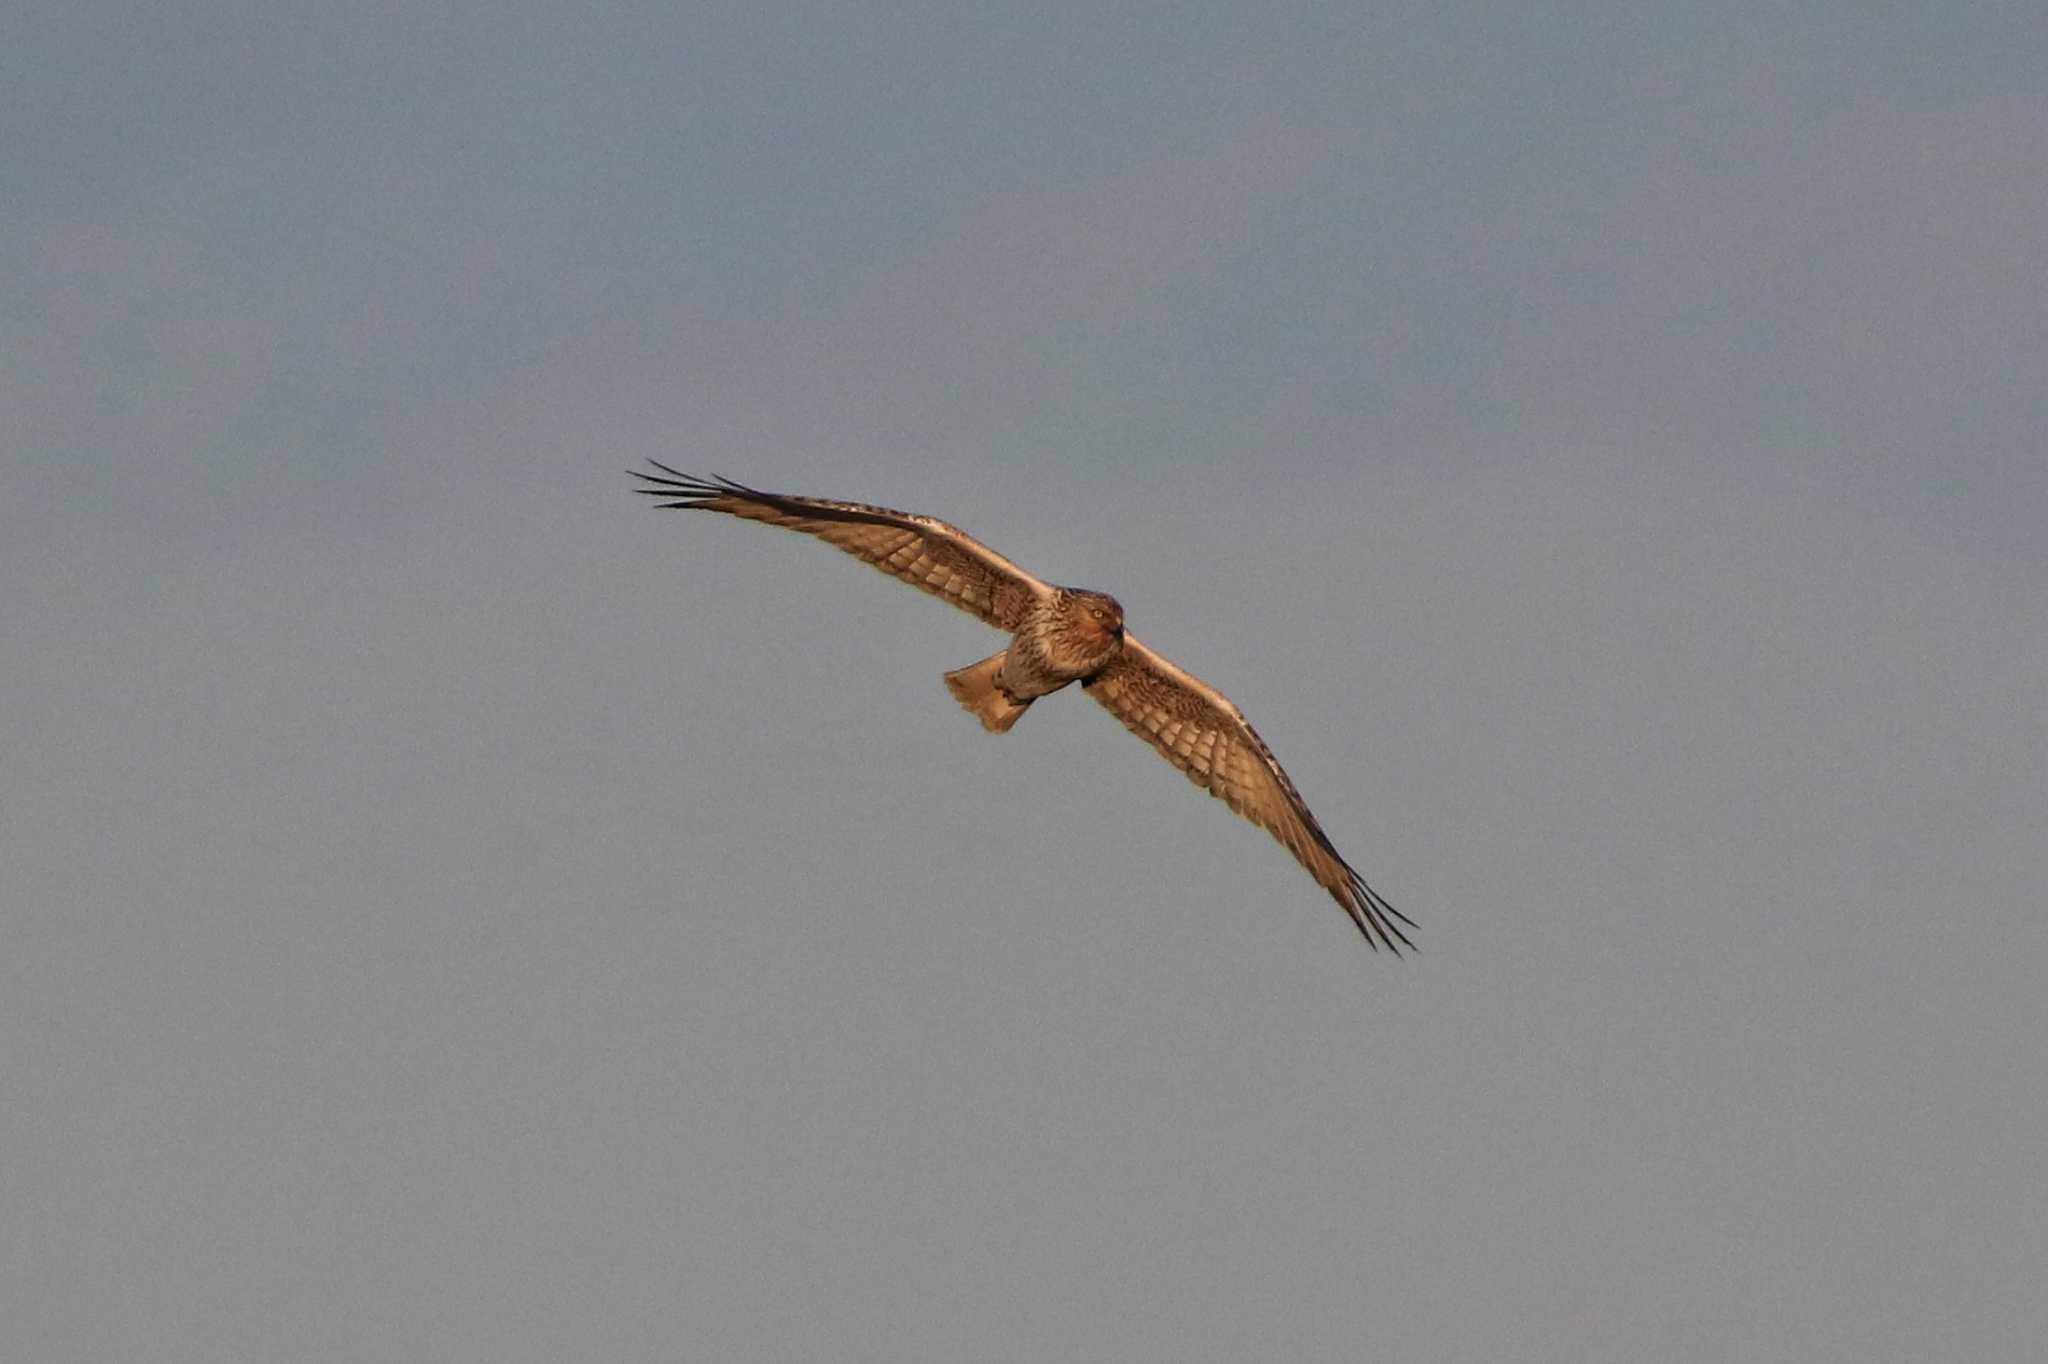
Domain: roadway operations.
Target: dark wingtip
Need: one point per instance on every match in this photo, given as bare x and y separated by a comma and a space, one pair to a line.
1374, 917
688, 489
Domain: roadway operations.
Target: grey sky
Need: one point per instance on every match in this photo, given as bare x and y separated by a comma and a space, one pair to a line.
452, 912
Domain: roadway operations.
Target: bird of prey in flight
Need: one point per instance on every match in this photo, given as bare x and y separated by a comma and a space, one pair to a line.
1060, 635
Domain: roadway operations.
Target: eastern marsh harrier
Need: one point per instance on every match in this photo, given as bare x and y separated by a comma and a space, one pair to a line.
1060, 635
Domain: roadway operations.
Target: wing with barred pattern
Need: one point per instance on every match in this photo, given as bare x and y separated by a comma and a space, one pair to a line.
921, 550
1198, 730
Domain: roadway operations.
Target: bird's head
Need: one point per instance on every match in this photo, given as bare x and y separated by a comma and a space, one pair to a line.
1101, 615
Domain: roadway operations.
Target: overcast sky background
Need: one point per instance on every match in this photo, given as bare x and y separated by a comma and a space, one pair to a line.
452, 912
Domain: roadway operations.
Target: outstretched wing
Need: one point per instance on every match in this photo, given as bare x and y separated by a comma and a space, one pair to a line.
921, 550
1198, 730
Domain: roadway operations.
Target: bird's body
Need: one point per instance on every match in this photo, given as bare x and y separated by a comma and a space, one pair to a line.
1059, 636
1063, 638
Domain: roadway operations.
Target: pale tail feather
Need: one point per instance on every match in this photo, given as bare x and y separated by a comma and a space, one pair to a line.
975, 687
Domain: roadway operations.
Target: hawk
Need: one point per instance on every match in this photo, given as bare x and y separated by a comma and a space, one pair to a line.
1060, 635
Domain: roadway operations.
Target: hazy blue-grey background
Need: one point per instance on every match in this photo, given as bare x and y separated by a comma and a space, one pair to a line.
452, 912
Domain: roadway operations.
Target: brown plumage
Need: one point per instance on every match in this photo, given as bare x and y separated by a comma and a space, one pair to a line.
1061, 635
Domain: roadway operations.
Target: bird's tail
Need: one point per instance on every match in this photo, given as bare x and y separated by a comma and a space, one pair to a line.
976, 688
